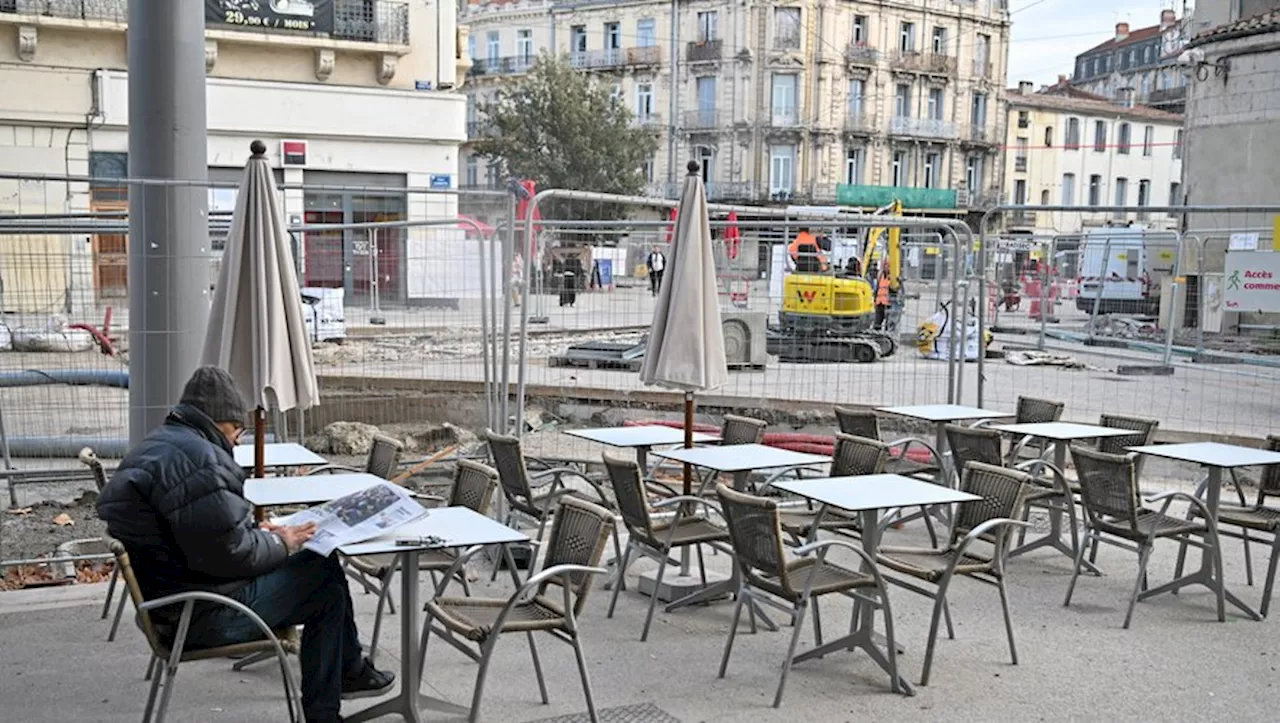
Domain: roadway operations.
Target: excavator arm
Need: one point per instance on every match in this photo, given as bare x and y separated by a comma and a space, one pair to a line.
893, 255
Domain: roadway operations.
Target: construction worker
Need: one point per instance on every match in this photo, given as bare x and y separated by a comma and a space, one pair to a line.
806, 254
884, 299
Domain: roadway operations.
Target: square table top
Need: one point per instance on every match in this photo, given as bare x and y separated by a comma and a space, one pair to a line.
943, 412
1212, 454
457, 526
309, 490
279, 454
742, 457
1062, 431
874, 492
650, 435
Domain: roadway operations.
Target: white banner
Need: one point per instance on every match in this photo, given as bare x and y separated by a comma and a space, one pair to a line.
1252, 281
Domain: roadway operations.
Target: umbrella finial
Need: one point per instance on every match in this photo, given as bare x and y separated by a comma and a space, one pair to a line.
693, 168
258, 149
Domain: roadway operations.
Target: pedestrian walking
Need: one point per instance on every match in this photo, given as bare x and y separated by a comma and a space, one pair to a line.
657, 263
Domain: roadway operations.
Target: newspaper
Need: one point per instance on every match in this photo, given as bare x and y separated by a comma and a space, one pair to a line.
357, 517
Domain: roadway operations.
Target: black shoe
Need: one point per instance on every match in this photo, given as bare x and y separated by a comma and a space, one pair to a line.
368, 682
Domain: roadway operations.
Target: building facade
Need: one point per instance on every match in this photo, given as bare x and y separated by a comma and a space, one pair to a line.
361, 92
1233, 119
814, 102
1066, 150
1138, 66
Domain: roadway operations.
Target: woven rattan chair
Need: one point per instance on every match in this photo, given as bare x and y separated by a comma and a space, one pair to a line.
1051, 493
858, 422
1114, 514
768, 575
657, 539
988, 521
1031, 410
90, 460
866, 423
742, 430
534, 496
1258, 518
853, 456
383, 459
169, 648
473, 488
579, 534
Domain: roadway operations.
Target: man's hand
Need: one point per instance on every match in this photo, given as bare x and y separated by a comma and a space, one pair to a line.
295, 536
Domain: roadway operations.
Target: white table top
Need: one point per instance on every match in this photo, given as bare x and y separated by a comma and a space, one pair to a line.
281, 454
316, 489
873, 492
943, 412
641, 436
1062, 431
742, 457
1212, 454
457, 526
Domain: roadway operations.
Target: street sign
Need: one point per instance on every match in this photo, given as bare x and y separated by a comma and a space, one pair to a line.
441, 181
1252, 281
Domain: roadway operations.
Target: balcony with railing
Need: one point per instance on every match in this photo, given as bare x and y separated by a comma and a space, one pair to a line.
1020, 164
363, 21
1167, 96
978, 133
788, 118
702, 119
703, 51
860, 54
1022, 219
932, 63
501, 66
858, 122
615, 57
922, 128
647, 120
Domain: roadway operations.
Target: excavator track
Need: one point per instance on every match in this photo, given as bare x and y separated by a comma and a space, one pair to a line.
859, 348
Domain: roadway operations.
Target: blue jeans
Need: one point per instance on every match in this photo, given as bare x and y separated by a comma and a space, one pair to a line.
307, 590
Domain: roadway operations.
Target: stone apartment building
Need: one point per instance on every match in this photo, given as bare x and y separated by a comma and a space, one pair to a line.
818, 102
362, 95
1066, 148
1138, 66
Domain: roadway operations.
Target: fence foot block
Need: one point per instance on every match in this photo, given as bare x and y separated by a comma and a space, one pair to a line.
1142, 370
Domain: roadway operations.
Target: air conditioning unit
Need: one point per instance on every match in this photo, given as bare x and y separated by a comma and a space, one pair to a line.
744, 339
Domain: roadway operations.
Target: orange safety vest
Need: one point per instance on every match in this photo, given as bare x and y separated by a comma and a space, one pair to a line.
882, 292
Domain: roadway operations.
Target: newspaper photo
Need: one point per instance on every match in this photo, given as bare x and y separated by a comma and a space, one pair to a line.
357, 517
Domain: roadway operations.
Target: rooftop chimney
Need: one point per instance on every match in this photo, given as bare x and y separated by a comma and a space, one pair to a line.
1026, 87
1168, 19
1062, 79
1122, 31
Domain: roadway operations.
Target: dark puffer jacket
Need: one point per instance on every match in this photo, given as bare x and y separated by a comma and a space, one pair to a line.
177, 503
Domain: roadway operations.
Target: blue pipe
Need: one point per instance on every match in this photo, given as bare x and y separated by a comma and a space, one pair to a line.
77, 377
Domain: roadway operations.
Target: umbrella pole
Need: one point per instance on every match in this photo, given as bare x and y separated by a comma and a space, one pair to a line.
259, 443
688, 472
259, 453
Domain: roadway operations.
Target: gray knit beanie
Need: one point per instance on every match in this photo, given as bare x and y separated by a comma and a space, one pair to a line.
213, 391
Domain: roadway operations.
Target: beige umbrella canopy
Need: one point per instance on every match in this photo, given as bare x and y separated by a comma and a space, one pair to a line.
256, 327
686, 341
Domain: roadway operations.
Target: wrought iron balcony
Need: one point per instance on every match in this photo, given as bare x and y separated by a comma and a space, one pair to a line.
922, 127
703, 51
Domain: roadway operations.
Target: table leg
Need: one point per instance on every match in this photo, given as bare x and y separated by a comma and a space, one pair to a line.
863, 636
1054, 538
405, 703
1207, 575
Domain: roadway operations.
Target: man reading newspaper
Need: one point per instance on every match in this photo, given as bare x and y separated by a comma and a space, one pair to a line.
177, 503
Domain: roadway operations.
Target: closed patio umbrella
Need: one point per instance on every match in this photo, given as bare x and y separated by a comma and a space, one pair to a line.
256, 328
686, 342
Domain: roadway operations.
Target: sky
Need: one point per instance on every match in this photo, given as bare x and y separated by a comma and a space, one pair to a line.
1048, 34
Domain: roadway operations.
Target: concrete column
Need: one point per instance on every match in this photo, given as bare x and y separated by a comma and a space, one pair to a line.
169, 256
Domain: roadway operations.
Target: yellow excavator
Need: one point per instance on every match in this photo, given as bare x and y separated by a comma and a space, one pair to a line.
828, 315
